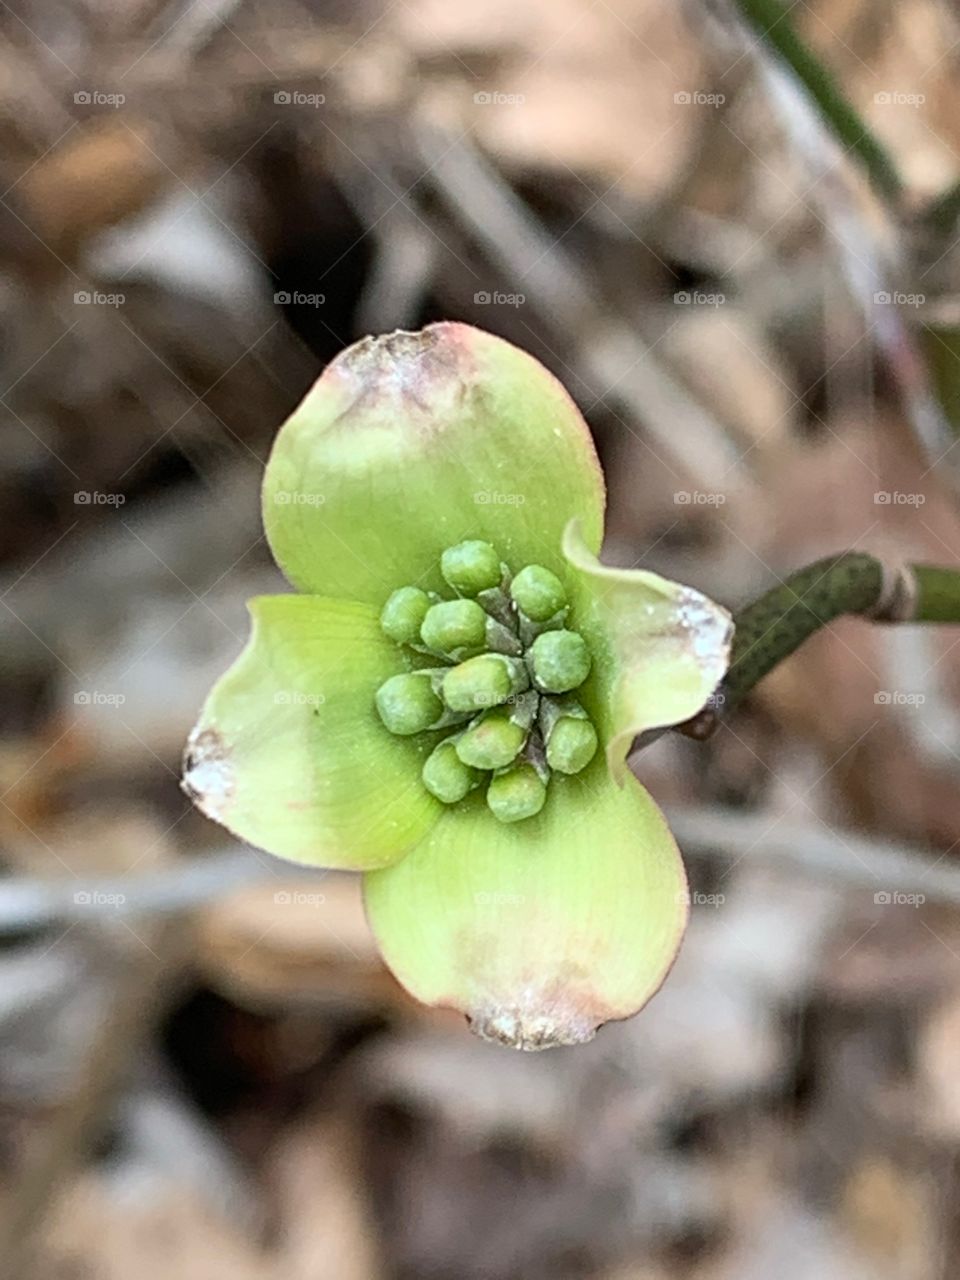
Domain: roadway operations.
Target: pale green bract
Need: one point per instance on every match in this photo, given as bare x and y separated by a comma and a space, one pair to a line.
539, 929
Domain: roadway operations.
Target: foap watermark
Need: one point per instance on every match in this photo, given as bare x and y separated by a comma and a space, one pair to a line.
298, 498
698, 98
895, 498
694, 898
483, 701
297, 98
897, 898
495, 98
298, 299
97, 98
898, 698
496, 298
94, 298
897, 298
97, 698
296, 698
298, 898
897, 98
86, 498
495, 498
698, 298
96, 898
514, 700
698, 498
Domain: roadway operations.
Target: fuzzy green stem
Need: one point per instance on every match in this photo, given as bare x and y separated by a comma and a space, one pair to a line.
771, 22
938, 593
772, 627
775, 625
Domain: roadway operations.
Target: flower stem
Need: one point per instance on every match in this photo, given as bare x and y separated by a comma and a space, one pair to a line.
771, 22
772, 627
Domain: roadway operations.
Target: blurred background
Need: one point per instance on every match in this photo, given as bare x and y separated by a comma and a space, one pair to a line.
204, 1068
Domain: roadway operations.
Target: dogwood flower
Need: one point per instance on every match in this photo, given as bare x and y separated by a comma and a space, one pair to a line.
447, 703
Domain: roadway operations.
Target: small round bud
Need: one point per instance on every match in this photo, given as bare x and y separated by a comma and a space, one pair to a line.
560, 660
491, 743
572, 744
403, 615
471, 567
454, 625
446, 776
516, 794
407, 703
538, 593
482, 682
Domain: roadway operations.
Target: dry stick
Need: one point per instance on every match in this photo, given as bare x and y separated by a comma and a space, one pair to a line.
31, 903
136, 1003
858, 860
708, 829
611, 356
774, 626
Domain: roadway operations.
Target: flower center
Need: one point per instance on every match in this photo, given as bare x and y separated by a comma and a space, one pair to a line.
504, 671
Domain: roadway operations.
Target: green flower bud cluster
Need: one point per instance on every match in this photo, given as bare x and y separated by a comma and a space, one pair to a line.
503, 668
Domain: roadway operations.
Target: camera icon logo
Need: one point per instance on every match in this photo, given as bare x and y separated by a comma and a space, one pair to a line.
82, 98
282, 97
882, 899
282, 898
482, 298
282, 299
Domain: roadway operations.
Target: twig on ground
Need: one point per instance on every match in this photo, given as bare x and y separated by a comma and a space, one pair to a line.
880, 865
33, 903
609, 353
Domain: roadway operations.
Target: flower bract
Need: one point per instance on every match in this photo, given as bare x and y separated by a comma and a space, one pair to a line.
447, 700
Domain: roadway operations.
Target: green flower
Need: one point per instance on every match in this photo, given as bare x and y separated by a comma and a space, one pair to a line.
428, 710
